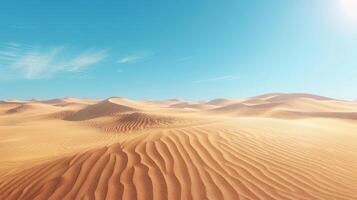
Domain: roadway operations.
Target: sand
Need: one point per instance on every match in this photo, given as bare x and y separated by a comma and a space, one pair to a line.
273, 146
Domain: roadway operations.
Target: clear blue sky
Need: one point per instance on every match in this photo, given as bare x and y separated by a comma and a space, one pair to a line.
177, 49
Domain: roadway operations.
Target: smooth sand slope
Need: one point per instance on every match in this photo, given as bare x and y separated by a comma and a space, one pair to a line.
274, 146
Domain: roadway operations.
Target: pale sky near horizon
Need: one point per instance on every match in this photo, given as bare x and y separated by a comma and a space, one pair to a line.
177, 49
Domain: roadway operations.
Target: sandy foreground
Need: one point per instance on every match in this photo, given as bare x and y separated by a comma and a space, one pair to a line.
274, 146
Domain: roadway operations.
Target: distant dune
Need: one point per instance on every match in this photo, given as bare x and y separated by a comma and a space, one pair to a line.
20, 108
103, 108
189, 105
288, 106
221, 102
273, 146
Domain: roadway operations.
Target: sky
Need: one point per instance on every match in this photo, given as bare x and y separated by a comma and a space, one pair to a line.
195, 50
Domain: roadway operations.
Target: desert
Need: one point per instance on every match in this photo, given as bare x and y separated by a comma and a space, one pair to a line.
273, 146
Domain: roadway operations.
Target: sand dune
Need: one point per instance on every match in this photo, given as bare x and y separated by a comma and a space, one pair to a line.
278, 97
286, 97
185, 105
246, 110
31, 108
295, 114
68, 101
61, 114
20, 108
135, 121
274, 146
103, 108
221, 102
288, 106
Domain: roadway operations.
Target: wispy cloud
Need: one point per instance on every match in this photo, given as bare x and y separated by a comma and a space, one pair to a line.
132, 58
85, 59
19, 61
219, 78
128, 59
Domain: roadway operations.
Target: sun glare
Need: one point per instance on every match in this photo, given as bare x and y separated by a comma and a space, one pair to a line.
349, 9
